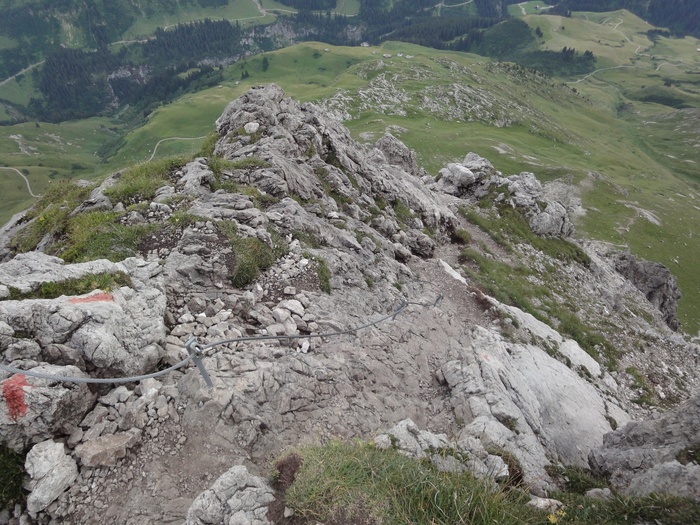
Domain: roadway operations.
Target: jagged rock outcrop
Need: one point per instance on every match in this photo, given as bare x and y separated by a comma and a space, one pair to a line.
297, 139
559, 416
34, 409
365, 224
655, 281
648, 456
476, 178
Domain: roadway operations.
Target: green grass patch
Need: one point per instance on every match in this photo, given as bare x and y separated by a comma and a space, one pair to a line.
86, 284
11, 478
98, 236
690, 454
357, 481
245, 11
252, 255
49, 214
646, 397
218, 165
620, 510
531, 291
324, 275
139, 183
50, 153
511, 226
403, 213
206, 149
576, 480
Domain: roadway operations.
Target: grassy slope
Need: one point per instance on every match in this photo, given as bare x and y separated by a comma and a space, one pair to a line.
49, 153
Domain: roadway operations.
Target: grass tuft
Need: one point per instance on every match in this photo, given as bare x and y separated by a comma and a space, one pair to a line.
208, 145
357, 481
324, 275
11, 477
50, 215
252, 255
50, 290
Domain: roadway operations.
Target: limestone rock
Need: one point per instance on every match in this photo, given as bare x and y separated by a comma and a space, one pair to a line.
552, 222
641, 457
525, 189
117, 332
51, 471
516, 397
26, 271
236, 498
455, 179
195, 177
398, 154
445, 454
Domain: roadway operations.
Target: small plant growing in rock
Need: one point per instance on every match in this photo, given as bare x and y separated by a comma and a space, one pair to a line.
324, 275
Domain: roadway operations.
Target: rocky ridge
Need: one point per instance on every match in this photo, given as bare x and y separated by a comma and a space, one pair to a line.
372, 227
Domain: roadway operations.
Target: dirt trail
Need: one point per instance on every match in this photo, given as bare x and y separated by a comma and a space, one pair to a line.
29, 188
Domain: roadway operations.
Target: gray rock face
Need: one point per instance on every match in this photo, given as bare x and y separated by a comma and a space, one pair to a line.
473, 375
526, 190
291, 133
398, 154
27, 271
553, 221
656, 282
236, 498
51, 471
476, 178
195, 178
641, 457
559, 415
7, 232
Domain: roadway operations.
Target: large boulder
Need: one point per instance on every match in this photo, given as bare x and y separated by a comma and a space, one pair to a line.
397, 153
455, 179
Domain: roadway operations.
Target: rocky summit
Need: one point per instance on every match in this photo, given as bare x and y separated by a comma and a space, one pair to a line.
288, 229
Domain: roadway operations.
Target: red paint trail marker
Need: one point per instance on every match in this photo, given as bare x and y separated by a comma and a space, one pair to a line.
13, 392
92, 298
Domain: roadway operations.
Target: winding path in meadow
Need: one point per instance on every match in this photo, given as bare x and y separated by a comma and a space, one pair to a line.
155, 149
26, 180
21, 72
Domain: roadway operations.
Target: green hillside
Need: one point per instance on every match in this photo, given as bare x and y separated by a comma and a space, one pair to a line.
624, 136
